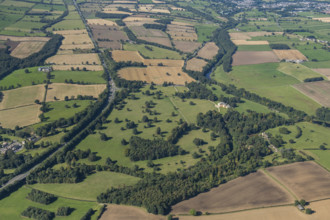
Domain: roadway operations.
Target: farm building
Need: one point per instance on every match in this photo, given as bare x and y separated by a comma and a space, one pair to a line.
222, 105
45, 69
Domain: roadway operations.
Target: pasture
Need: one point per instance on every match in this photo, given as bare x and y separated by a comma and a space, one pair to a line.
324, 71
249, 35
289, 55
96, 184
156, 74
21, 116
204, 32
25, 49
60, 90
24, 79
153, 52
75, 59
89, 77
252, 191
208, 51
11, 207
253, 57
78, 67
196, 64
307, 180
298, 71
186, 46
318, 91
253, 48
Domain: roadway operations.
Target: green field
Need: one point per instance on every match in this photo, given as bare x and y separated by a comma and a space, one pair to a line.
298, 71
323, 64
314, 51
253, 48
115, 149
68, 25
24, 79
322, 157
155, 53
205, 32
11, 207
90, 77
267, 81
96, 184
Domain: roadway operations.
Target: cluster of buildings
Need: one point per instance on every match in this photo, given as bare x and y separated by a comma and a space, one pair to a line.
14, 146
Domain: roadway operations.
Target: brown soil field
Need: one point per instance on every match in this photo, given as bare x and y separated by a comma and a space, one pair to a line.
74, 59
196, 64
109, 37
88, 67
245, 42
325, 19
60, 90
209, 50
141, 31
101, 22
324, 71
159, 40
307, 180
14, 38
181, 23
318, 91
186, 46
289, 55
165, 62
121, 212
254, 57
114, 45
248, 35
25, 49
124, 56
156, 74
22, 96
252, 191
182, 32
21, 116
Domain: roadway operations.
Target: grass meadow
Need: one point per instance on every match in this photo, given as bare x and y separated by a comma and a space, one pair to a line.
155, 53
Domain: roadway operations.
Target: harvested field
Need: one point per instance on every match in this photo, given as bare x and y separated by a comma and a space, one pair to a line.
324, 71
121, 212
141, 31
138, 21
109, 37
209, 50
125, 56
74, 59
325, 19
249, 35
164, 11
289, 55
25, 49
276, 213
76, 39
186, 46
71, 32
14, 38
182, 32
21, 116
196, 64
159, 40
22, 96
117, 12
114, 45
318, 91
101, 22
60, 90
252, 191
88, 67
254, 57
245, 42
156, 74
163, 62
307, 180
181, 23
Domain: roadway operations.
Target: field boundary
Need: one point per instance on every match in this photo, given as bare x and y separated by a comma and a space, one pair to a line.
177, 109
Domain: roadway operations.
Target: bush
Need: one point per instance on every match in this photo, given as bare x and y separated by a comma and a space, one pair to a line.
64, 211
284, 130
36, 213
193, 212
41, 197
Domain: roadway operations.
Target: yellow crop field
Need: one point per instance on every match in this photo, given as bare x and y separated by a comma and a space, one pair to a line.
21, 116
325, 19
196, 64
289, 55
27, 48
245, 42
125, 56
209, 50
15, 38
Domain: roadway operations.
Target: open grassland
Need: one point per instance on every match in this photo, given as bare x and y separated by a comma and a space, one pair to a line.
22, 96
321, 157
153, 52
101, 22
11, 207
253, 57
23, 79
289, 55
133, 111
25, 49
122, 212
75, 59
249, 35
307, 180
209, 50
318, 91
205, 32
196, 64
298, 71
252, 191
253, 48
60, 90
324, 71
319, 64
90, 77
91, 187
270, 83
78, 67
21, 116
186, 46
68, 25
156, 74
314, 52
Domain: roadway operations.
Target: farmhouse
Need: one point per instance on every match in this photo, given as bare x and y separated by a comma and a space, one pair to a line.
45, 69
222, 105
